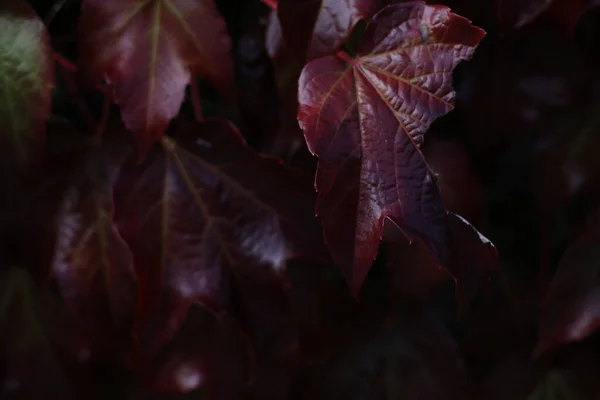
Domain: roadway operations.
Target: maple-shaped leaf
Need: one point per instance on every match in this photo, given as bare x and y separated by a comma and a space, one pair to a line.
150, 50
92, 263
26, 79
315, 28
571, 309
203, 206
365, 118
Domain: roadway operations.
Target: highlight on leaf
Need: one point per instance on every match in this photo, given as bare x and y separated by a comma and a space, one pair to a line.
365, 118
92, 264
150, 51
316, 28
26, 80
203, 207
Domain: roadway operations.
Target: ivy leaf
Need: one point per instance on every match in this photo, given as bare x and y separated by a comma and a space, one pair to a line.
571, 309
92, 263
316, 28
365, 118
201, 207
26, 79
150, 50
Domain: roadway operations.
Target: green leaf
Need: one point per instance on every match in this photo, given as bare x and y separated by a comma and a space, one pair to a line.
26, 79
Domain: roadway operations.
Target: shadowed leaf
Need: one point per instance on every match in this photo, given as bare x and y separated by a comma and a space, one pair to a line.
315, 28
92, 263
365, 118
571, 309
150, 50
203, 207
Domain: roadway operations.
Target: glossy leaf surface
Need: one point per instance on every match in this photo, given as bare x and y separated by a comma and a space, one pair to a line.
316, 28
92, 263
150, 50
26, 79
205, 206
365, 118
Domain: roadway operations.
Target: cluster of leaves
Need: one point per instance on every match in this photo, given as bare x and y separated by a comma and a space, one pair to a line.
281, 199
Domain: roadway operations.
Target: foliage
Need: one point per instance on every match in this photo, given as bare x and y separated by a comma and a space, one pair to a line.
292, 199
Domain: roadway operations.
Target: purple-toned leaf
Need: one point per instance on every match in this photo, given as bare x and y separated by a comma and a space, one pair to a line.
365, 118
92, 263
150, 51
315, 28
203, 207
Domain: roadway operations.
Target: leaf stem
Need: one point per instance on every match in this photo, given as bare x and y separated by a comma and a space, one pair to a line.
196, 100
271, 3
346, 57
53, 11
63, 62
103, 117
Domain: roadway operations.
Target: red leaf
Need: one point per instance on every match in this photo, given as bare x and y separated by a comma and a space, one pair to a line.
203, 207
571, 309
366, 117
208, 356
412, 356
27, 76
150, 51
315, 28
473, 259
92, 263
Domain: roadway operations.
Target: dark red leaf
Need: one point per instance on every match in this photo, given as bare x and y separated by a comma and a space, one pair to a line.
203, 207
571, 309
92, 263
412, 356
27, 78
568, 12
473, 259
315, 28
207, 356
366, 118
150, 51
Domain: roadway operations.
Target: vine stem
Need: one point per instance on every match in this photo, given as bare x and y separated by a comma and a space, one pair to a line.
196, 100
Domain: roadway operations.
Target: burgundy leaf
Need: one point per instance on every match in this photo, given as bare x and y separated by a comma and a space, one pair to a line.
365, 118
92, 263
473, 259
150, 51
203, 207
571, 309
412, 356
207, 356
315, 28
